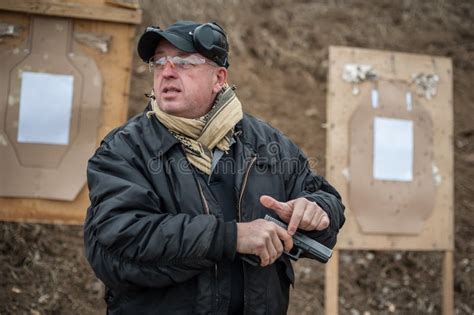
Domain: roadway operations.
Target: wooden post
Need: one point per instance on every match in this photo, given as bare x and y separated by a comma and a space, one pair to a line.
448, 285
331, 299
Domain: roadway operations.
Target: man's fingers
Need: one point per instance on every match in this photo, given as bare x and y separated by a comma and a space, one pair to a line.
307, 220
264, 258
320, 221
296, 217
270, 202
281, 209
323, 223
285, 238
272, 251
277, 244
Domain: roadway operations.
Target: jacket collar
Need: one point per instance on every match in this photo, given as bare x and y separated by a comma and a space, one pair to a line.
156, 130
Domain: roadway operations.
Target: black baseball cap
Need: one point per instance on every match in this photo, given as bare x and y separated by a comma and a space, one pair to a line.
180, 35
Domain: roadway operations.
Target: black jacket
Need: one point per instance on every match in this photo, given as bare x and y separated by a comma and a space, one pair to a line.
155, 236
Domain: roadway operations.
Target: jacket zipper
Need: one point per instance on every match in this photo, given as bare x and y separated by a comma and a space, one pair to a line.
206, 209
242, 191
244, 185
204, 201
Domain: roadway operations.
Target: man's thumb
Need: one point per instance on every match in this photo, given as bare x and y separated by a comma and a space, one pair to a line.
272, 203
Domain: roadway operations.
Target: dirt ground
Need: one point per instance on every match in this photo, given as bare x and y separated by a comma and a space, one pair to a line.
279, 52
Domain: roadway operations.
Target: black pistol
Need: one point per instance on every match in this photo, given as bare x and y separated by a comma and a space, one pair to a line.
301, 245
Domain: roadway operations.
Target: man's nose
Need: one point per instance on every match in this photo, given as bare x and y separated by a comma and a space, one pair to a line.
169, 69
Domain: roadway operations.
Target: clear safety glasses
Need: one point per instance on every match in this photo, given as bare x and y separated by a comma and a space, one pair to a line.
158, 63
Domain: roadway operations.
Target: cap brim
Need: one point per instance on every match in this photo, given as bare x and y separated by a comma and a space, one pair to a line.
149, 40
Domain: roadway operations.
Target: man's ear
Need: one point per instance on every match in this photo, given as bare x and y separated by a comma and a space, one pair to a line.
221, 79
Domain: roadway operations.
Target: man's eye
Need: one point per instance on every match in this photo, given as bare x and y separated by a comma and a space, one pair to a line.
160, 61
182, 62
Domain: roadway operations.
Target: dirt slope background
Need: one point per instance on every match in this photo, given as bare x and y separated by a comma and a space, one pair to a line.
279, 52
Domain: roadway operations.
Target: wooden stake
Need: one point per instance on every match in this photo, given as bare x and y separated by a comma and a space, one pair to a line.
331, 291
448, 284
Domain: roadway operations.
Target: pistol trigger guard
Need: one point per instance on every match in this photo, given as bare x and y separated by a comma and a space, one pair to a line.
296, 256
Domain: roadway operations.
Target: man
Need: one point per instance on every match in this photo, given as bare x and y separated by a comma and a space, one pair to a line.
178, 193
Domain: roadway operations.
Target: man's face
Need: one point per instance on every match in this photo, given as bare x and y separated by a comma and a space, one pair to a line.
187, 93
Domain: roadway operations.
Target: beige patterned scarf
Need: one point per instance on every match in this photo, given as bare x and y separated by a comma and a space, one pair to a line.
201, 135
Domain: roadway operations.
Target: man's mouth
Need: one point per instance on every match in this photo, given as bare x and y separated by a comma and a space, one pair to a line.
170, 89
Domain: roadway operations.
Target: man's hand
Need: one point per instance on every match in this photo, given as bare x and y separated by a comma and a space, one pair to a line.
298, 213
263, 239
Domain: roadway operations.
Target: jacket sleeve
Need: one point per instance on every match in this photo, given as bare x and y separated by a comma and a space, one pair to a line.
131, 242
304, 183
